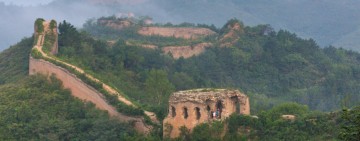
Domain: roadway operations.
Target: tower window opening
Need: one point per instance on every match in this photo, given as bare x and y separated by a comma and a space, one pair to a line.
197, 112
185, 113
173, 111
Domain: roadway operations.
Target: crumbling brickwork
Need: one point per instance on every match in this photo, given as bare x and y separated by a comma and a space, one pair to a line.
192, 107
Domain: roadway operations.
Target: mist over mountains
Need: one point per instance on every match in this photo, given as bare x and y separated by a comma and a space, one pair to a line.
329, 22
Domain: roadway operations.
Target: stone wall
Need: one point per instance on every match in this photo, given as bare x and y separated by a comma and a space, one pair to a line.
83, 91
177, 32
77, 87
186, 51
192, 107
115, 24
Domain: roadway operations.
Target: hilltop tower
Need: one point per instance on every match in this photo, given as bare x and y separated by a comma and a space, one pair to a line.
48, 29
193, 107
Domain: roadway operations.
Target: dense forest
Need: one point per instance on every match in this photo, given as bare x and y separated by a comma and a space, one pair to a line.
274, 68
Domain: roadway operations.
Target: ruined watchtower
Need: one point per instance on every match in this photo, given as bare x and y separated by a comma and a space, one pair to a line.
46, 35
192, 107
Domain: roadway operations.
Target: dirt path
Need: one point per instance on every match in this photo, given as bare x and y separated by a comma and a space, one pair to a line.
109, 89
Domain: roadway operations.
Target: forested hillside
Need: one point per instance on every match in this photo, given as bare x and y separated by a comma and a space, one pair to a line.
14, 62
272, 67
37, 108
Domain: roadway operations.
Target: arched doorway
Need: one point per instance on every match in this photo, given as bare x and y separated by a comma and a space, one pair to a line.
236, 103
208, 111
219, 108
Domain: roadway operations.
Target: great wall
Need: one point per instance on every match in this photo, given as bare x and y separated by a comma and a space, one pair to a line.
77, 87
188, 33
177, 32
186, 108
227, 39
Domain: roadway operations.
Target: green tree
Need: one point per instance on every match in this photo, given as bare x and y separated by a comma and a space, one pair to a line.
68, 35
182, 81
350, 130
158, 86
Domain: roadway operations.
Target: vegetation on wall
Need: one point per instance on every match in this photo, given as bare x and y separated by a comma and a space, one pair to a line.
49, 42
39, 25
53, 24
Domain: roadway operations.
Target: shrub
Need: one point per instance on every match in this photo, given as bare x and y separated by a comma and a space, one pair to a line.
53, 24
39, 25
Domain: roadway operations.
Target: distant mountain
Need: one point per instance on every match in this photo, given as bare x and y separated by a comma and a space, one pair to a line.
328, 22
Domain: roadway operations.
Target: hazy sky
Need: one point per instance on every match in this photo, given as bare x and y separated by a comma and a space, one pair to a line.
26, 2
329, 22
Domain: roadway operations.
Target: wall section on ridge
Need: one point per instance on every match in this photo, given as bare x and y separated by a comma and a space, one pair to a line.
77, 87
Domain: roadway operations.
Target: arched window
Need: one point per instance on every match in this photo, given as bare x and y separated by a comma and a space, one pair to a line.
185, 113
197, 113
173, 111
